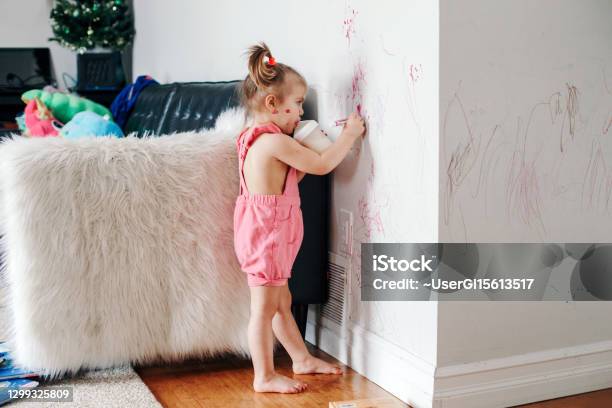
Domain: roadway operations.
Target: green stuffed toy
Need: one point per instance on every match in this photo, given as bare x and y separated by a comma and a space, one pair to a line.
65, 106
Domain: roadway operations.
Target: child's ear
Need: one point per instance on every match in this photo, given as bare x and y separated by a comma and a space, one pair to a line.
270, 103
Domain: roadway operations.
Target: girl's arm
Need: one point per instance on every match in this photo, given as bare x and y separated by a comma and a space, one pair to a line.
300, 175
288, 150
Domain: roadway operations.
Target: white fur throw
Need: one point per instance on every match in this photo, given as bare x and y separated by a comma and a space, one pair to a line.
121, 250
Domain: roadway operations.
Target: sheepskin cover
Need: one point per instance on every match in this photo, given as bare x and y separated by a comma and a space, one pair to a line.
121, 250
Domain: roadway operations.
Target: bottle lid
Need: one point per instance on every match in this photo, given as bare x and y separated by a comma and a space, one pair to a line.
304, 128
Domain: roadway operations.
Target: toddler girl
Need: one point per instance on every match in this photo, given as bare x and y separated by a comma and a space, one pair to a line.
268, 227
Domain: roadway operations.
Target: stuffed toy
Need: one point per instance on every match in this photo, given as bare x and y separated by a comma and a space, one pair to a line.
20, 119
39, 121
90, 124
65, 106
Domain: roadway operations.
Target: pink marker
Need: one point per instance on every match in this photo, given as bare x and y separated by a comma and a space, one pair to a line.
343, 121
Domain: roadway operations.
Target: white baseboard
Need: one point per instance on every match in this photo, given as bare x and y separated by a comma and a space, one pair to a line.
525, 378
408, 377
501, 382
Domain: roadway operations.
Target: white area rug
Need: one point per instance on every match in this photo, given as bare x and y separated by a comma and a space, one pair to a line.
114, 387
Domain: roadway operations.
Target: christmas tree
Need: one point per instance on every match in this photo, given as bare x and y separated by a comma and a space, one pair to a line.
85, 24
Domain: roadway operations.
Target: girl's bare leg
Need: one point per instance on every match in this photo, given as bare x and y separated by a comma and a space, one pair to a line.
264, 304
289, 335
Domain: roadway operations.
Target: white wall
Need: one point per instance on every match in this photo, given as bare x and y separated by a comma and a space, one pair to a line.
388, 50
26, 23
529, 80
503, 66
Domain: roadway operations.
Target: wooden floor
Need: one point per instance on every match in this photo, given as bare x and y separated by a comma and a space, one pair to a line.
227, 382
595, 399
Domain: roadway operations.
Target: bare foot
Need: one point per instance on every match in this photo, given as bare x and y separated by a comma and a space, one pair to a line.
279, 383
313, 365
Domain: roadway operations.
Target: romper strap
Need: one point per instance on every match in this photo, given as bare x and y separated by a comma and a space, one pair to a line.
244, 142
239, 148
291, 184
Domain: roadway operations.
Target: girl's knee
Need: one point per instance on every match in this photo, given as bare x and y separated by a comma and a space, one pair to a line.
264, 309
285, 301
284, 306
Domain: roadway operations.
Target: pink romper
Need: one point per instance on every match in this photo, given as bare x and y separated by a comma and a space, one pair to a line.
268, 228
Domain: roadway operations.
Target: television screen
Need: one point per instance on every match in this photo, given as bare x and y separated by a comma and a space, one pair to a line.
25, 68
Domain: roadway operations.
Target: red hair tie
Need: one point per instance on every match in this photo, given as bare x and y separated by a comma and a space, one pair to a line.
271, 61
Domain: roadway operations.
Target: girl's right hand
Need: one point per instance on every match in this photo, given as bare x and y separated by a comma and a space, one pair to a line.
354, 126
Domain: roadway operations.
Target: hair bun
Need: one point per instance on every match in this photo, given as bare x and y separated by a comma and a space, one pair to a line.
260, 70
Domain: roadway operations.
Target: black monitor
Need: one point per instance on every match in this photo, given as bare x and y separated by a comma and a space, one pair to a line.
25, 68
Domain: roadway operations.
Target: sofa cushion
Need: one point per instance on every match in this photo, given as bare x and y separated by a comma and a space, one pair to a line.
181, 106
121, 250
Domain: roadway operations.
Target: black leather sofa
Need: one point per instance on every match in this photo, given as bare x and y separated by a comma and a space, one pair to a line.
179, 107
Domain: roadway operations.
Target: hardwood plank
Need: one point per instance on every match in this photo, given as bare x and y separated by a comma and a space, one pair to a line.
227, 382
594, 399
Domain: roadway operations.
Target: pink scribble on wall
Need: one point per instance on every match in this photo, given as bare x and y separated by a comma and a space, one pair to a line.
370, 216
370, 211
607, 126
349, 97
355, 97
358, 83
414, 72
349, 25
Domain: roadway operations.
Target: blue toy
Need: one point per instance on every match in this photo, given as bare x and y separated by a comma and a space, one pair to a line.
90, 124
20, 119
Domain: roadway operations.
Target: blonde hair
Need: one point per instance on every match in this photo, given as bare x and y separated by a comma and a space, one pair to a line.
265, 77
